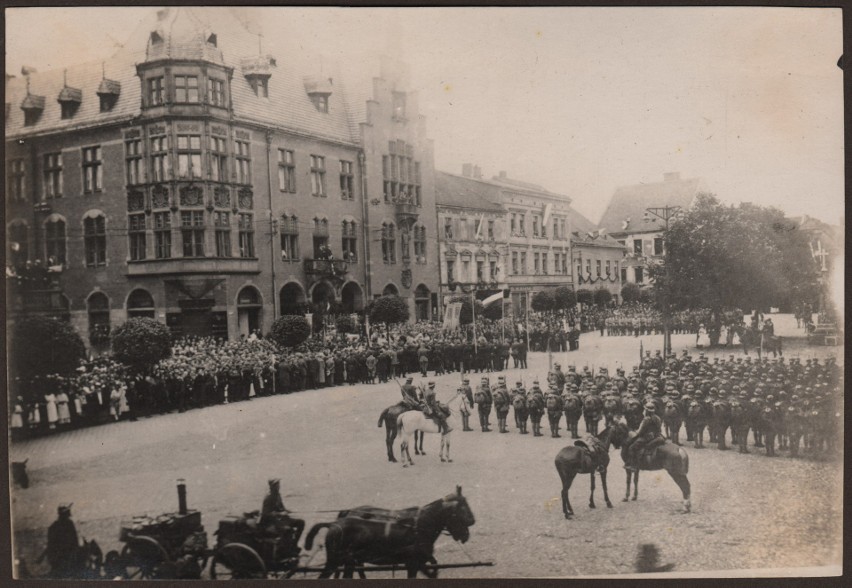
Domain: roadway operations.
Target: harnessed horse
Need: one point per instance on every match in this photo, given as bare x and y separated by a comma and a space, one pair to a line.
407, 537
411, 421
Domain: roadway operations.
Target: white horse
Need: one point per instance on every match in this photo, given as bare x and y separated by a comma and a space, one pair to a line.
414, 420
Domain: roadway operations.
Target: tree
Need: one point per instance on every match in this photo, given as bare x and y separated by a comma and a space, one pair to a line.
42, 346
602, 296
584, 296
565, 298
290, 330
389, 309
344, 324
646, 296
630, 293
141, 342
725, 256
543, 300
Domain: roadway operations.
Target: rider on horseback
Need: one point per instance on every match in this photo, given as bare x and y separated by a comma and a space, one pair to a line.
409, 395
434, 409
650, 429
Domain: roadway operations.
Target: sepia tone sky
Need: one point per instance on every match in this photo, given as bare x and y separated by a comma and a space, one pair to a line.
578, 100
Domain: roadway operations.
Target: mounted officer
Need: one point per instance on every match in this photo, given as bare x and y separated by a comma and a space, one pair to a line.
409, 395
483, 404
434, 410
501, 404
650, 429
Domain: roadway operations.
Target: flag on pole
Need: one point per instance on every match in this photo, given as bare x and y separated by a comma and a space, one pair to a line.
548, 208
640, 352
479, 224
492, 299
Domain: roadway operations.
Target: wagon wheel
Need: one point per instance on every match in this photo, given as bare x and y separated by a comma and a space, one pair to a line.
145, 559
237, 561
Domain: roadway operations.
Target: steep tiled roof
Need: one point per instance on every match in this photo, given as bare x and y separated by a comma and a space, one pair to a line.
184, 30
462, 192
595, 239
580, 223
630, 202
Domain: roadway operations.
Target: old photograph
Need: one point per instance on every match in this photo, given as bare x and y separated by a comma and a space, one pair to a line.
482, 292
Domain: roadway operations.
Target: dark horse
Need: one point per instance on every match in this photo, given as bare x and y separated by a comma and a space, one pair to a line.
578, 459
750, 337
370, 535
666, 456
388, 419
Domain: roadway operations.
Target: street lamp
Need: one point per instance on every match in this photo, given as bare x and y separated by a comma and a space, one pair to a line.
665, 213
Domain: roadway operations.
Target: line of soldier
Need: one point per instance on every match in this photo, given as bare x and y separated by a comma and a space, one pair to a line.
785, 402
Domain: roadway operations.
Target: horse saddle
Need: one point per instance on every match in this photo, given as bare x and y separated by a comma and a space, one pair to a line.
648, 456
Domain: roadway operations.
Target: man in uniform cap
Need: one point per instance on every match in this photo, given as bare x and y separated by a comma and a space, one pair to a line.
501, 404
434, 409
483, 404
650, 429
275, 518
468, 394
409, 394
63, 547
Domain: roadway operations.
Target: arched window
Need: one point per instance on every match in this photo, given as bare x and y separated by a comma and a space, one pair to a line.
94, 235
289, 238
349, 242
19, 240
99, 325
140, 304
321, 249
389, 242
54, 239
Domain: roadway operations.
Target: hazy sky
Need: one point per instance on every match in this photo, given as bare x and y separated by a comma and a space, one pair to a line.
579, 100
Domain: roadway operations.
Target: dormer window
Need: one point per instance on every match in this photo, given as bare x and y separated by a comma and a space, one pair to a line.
260, 85
108, 93
318, 91
156, 38
212, 39
69, 100
399, 105
32, 106
320, 102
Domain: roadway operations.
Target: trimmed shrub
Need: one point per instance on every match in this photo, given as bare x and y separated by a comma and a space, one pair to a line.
141, 342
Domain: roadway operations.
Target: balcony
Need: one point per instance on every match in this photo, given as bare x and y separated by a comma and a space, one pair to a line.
325, 268
193, 265
406, 212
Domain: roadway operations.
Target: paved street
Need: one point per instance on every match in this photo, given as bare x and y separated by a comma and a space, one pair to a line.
750, 511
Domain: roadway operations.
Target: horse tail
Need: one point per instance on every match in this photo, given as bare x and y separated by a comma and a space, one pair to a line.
383, 416
309, 540
399, 422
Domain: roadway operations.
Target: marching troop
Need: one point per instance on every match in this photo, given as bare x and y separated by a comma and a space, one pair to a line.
782, 405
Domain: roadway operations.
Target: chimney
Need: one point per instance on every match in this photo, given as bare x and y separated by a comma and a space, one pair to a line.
467, 170
181, 488
671, 176
502, 175
477, 172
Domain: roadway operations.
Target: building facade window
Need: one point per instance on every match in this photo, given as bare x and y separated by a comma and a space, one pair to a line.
638, 274
637, 246
658, 246
189, 156
556, 228
544, 263
186, 89
133, 162
523, 262
589, 268
192, 233
451, 267
320, 102
163, 235
218, 159
222, 223
318, 175
93, 173
320, 237
243, 157
160, 158
260, 86
54, 239
608, 268
492, 270
401, 174
598, 267
480, 271
246, 235
136, 226
565, 263
17, 180
522, 225
388, 242
156, 91
289, 238
512, 223
347, 181
514, 263
19, 243
491, 230
556, 257
535, 227
448, 228
98, 311
349, 242
94, 237
52, 176
286, 171
217, 92
140, 304
420, 245
624, 275
68, 109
